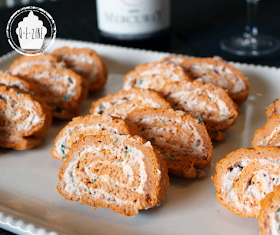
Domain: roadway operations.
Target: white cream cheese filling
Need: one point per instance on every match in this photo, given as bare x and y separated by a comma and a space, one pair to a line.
62, 147
187, 127
32, 119
275, 224
189, 99
272, 136
264, 184
132, 156
239, 84
129, 107
70, 82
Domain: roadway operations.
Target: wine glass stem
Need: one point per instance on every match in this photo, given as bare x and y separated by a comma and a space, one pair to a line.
251, 29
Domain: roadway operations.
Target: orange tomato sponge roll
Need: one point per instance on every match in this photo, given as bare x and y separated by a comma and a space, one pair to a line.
220, 73
153, 76
269, 135
124, 102
89, 125
179, 139
205, 101
273, 109
269, 218
245, 177
119, 172
22, 115
86, 63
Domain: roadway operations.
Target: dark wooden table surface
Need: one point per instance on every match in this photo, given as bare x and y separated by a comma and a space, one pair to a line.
197, 27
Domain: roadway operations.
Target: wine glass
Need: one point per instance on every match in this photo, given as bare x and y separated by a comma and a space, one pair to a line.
251, 43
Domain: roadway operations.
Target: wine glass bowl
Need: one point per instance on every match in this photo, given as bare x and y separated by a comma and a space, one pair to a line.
247, 45
251, 43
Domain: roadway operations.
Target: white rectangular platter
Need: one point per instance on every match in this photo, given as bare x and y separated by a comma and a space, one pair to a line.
31, 204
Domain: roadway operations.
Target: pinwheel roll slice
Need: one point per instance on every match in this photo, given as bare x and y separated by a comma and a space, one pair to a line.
153, 76
21, 66
9, 80
218, 72
204, 101
86, 63
89, 125
22, 115
269, 218
124, 102
273, 109
179, 138
62, 89
116, 171
269, 135
246, 176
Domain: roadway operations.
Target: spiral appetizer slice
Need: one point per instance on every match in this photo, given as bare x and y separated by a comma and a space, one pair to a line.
209, 103
269, 218
153, 76
273, 109
62, 89
269, 135
124, 102
217, 72
21, 66
246, 176
86, 63
179, 139
89, 125
116, 171
9, 80
22, 115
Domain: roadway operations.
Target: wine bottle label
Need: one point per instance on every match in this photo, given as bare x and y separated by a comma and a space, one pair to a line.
133, 17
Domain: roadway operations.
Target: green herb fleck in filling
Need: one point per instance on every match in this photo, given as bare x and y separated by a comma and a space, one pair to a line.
63, 56
7, 136
63, 151
18, 93
116, 185
116, 139
209, 97
70, 80
200, 119
278, 209
225, 116
153, 138
264, 143
101, 107
93, 64
32, 93
128, 150
120, 161
66, 97
140, 81
171, 155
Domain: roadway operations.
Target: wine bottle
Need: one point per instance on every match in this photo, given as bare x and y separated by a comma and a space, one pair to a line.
133, 20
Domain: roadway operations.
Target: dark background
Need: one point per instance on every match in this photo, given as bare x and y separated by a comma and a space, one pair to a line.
197, 27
